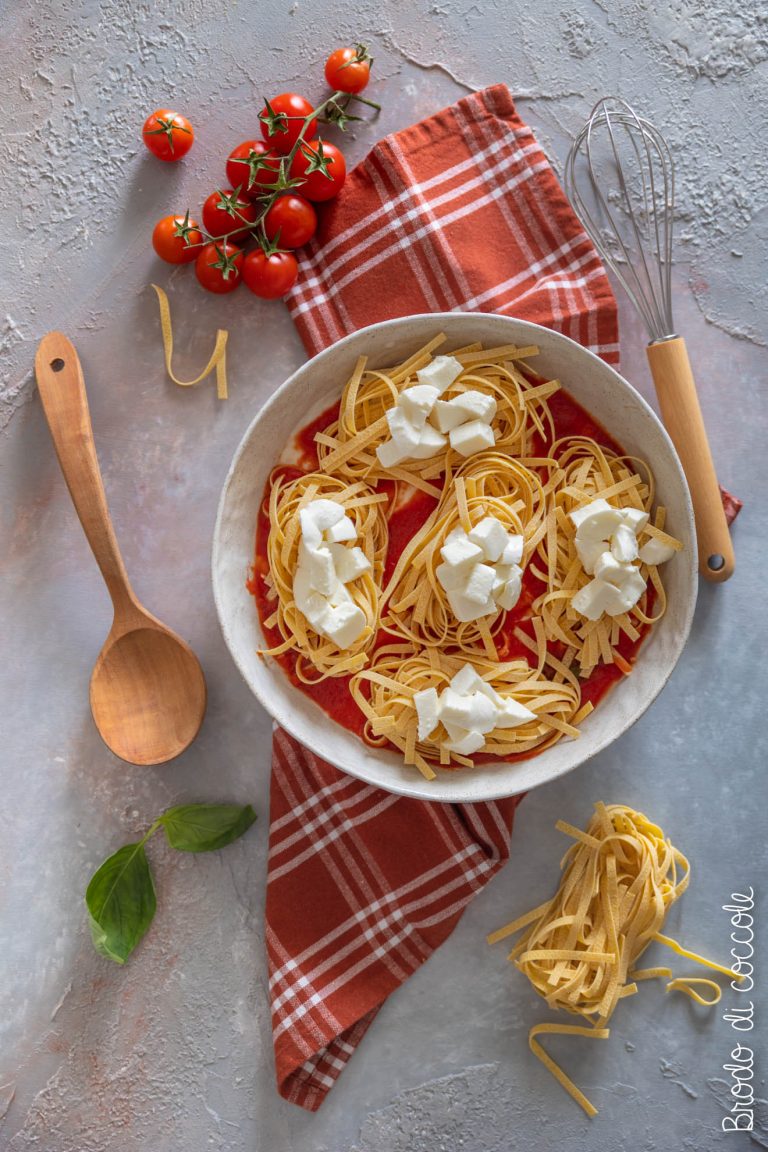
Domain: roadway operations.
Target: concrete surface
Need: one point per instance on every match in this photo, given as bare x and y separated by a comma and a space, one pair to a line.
174, 1051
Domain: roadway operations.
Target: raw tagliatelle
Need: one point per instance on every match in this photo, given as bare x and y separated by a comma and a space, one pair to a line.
318, 657
384, 693
348, 446
541, 651
581, 948
584, 471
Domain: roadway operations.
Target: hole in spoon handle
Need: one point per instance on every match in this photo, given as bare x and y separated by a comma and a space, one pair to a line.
57, 364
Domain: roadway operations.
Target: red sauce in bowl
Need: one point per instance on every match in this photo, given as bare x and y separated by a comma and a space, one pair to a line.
333, 694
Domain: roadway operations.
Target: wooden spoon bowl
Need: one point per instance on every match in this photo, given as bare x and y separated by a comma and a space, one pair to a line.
148, 692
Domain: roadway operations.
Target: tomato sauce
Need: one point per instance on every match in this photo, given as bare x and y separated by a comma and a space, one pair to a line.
333, 694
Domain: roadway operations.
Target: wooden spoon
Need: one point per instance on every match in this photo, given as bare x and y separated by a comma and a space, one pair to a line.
147, 689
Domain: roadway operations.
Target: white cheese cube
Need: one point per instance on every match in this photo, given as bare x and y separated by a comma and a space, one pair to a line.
342, 530
340, 595
428, 711
634, 518
479, 583
318, 564
325, 513
632, 588
593, 599
490, 535
467, 744
441, 373
349, 562
624, 544
403, 431
417, 403
451, 579
310, 603
510, 713
590, 552
579, 515
465, 610
655, 551
344, 625
510, 594
430, 443
459, 551
513, 552
475, 405
391, 453
311, 535
474, 712
446, 416
472, 437
468, 680
610, 570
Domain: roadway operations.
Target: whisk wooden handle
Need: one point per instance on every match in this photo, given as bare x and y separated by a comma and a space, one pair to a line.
682, 417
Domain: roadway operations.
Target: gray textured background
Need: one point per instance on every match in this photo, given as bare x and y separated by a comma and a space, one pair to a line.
174, 1051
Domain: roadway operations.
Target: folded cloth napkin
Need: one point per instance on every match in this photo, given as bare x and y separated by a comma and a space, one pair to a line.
461, 211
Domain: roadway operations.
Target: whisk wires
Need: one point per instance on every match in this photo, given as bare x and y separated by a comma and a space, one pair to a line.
620, 178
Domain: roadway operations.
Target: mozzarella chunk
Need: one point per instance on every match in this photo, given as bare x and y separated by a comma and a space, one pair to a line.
511, 713
459, 551
655, 551
404, 433
476, 584
349, 562
323, 512
475, 406
440, 373
472, 437
606, 544
513, 552
417, 403
446, 416
624, 544
391, 453
344, 624
427, 710
491, 535
465, 609
469, 709
341, 531
324, 568
430, 442
479, 583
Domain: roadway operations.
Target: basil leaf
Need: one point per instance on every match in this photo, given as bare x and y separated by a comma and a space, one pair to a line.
205, 827
121, 902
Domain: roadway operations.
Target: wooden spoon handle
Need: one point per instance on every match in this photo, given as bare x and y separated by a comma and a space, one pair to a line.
682, 417
65, 403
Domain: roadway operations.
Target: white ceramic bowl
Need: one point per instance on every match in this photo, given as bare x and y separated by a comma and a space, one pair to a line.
318, 384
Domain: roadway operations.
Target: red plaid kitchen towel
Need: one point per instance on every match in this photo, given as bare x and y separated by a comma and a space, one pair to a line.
459, 212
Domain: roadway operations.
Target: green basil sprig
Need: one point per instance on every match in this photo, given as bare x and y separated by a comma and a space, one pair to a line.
121, 897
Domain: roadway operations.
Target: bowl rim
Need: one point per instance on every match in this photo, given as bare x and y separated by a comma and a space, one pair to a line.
418, 787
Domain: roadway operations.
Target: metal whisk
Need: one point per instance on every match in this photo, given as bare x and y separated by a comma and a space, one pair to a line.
620, 178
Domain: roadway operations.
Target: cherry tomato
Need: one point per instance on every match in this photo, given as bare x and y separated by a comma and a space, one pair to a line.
291, 221
348, 69
219, 267
168, 135
281, 127
305, 166
172, 239
252, 166
270, 276
224, 211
